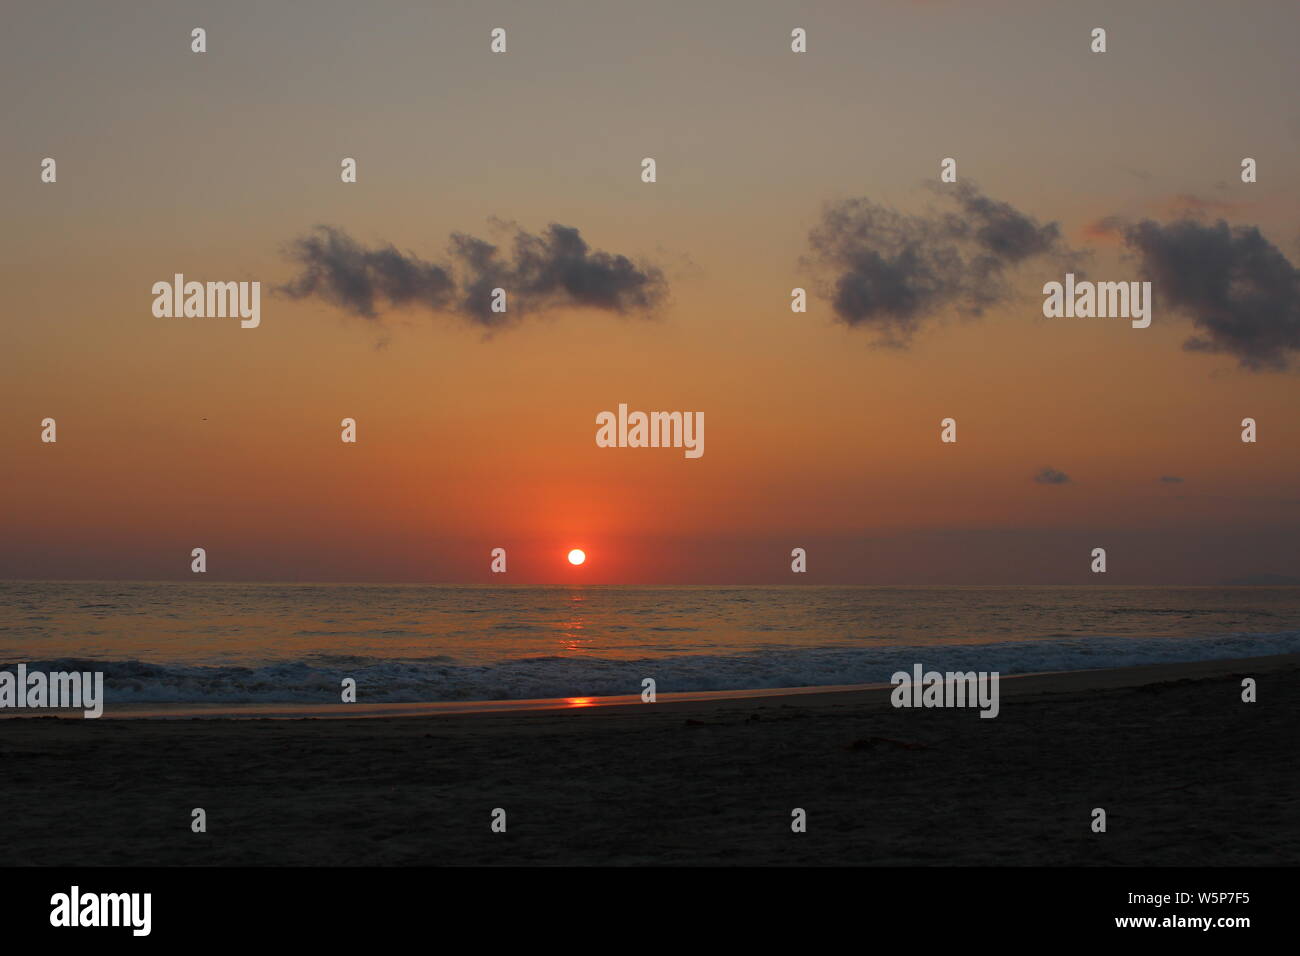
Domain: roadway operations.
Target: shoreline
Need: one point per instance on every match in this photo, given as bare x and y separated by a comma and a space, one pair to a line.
1011, 685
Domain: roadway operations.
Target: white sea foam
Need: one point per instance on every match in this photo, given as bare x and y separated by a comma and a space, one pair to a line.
442, 678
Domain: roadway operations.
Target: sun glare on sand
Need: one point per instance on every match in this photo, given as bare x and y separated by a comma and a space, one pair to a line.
577, 556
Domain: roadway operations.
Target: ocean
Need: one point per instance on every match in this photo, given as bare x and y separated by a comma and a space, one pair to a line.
280, 643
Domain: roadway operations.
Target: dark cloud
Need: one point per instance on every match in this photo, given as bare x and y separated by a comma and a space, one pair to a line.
555, 269
1050, 476
1240, 290
1191, 206
342, 272
559, 269
1171, 479
893, 271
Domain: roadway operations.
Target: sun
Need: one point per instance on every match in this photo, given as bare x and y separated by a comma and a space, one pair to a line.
577, 556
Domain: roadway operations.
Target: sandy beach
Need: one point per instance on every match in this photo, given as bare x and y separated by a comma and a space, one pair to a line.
1187, 773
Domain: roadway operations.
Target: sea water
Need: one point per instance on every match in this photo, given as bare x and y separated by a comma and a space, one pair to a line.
269, 643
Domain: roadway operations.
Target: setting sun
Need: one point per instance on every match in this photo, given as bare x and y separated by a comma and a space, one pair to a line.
577, 556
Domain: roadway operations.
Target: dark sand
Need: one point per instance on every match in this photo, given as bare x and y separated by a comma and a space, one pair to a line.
1188, 775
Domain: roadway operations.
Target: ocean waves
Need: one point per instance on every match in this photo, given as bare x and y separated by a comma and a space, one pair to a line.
442, 677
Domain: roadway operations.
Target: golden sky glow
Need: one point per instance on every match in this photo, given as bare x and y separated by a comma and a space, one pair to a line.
175, 433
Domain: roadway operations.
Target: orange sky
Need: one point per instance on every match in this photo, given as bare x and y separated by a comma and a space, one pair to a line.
176, 433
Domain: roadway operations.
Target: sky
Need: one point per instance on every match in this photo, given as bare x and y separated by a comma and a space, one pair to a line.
774, 170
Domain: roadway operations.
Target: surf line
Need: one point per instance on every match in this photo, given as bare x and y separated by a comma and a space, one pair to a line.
62, 690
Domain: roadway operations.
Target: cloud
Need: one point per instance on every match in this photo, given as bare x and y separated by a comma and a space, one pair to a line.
1240, 290
1050, 476
340, 271
1109, 230
1190, 206
890, 272
554, 269
1171, 479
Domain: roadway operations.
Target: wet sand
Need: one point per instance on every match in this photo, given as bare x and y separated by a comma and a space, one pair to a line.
1187, 772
